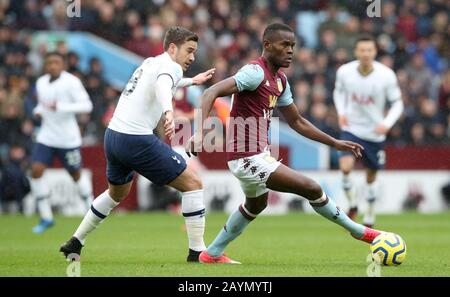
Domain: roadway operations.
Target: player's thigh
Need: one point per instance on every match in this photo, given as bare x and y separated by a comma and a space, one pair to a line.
346, 158
71, 160
118, 147
374, 158
41, 158
187, 181
253, 172
159, 163
285, 179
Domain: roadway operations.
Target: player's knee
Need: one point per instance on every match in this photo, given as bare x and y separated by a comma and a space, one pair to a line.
119, 193
37, 170
346, 164
196, 183
256, 206
193, 183
314, 190
346, 170
75, 175
370, 178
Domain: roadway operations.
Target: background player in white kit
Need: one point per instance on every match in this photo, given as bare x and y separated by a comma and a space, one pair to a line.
363, 87
131, 146
60, 97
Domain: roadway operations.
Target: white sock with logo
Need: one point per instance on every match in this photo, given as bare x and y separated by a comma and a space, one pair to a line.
100, 209
193, 208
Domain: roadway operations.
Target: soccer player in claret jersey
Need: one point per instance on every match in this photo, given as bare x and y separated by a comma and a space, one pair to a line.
130, 145
257, 88
61, 96
363, 87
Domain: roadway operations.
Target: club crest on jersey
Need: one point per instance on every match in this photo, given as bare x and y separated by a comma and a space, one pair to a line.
272, 100
267, 83
280, 85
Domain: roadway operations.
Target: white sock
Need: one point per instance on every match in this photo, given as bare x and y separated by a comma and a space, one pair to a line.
347, 186
41, 193
84, 187
193, 208
100, 209
369, 216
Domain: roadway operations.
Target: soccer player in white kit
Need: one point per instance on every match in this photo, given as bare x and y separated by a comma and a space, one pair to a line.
61, 96
130, 145
362, 89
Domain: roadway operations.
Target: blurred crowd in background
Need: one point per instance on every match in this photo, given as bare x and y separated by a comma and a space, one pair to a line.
413, 37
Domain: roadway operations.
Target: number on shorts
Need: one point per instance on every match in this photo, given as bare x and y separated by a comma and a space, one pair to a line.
381, 155
73, 158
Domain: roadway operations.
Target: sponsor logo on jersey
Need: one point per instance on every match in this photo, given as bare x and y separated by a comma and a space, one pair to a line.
280, 85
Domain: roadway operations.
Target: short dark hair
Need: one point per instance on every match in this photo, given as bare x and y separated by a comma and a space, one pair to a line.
54, 53
272, 28
178, 36
365, 37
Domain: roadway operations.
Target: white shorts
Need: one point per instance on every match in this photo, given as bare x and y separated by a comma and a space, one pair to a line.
253, 172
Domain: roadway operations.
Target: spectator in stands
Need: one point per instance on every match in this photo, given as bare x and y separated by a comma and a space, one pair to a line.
14, 185
412, 35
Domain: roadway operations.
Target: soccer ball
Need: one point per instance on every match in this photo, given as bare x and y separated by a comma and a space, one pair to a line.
388, 249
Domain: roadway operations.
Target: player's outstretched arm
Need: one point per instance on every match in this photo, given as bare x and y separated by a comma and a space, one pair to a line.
223, 88
81, 102
199, 79
203, 77
305, 128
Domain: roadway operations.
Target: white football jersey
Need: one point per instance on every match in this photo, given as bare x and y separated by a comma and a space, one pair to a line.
362, 99
59, 128
139, 109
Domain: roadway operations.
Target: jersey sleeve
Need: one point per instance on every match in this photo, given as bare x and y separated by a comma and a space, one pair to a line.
393, 92
81, 103
249, 77
339, 93
286, 97
172, 70
163, 92
185, 82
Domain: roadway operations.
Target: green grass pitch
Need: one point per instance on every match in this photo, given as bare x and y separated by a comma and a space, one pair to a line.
154, 244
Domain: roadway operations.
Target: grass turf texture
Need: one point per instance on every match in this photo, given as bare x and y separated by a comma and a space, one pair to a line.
154, 244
